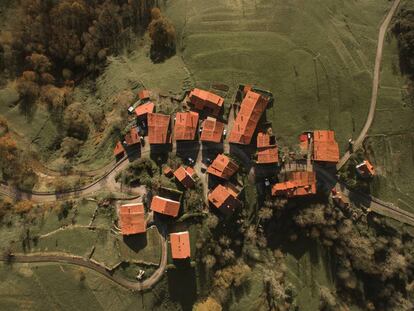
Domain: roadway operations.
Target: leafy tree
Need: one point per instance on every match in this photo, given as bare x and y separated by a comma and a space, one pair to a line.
163, 36
76, 121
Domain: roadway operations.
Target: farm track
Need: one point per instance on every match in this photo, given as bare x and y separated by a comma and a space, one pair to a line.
375, 84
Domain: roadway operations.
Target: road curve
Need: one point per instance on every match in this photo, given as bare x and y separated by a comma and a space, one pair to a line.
80, 261
375, 84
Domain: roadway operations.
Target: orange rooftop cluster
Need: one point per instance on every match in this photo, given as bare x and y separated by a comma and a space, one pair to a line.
251, 110
158, 128
180, 245
299, 184
325, 147
224, 198
223, 167
186, 124
212, 130
185, 176
165, 206
132, 218
267, 150
206, 101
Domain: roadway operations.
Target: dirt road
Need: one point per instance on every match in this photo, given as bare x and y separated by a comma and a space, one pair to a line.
375, 84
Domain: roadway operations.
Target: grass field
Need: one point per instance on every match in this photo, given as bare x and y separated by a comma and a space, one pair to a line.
391, 138
59, 287
315, 56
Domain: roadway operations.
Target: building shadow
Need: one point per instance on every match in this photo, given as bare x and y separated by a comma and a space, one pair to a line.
210, 151
188, 149
135, 242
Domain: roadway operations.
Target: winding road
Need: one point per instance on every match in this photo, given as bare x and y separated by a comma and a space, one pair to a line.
108, 173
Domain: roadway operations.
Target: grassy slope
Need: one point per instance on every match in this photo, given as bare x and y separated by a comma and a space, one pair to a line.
391, 139
316, 56
57, 287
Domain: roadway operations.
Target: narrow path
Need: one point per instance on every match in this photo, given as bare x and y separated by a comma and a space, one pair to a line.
375, 84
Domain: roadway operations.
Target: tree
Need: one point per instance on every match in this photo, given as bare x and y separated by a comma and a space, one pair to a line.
76, 121
210, 304
163, 36
28, 89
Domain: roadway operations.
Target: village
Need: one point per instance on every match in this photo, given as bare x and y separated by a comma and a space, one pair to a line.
229, 143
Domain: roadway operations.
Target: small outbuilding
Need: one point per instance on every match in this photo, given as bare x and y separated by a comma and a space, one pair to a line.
180, 245
165, 206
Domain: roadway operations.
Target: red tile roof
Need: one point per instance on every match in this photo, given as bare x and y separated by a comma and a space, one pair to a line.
263, 140
158, 128
212, 130
184, 176
144, 109
168, 171
132, 218
299, 184
186, 124
144, 94
223, 167
325, 148
119, 149
132, 137
180, 245
268, 155
206, 101
252, 108
224, 198
366, 168
165, 206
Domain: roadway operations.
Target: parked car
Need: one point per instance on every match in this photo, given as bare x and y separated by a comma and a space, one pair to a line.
190, 161
224, 132
267, 182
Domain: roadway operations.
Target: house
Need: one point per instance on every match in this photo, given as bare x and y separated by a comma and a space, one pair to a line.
119, 150
224, 198
365, 169
165, 206
132, 218
132, 138
144, 94
168, 171
251, 110
212, 130
185, 176
325, 147
158, 128
206, 101
223, 167
180, 245
143, 110
186, 124
267, 150
299, 184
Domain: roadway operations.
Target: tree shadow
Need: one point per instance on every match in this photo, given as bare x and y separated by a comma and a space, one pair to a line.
158, 55
182, 284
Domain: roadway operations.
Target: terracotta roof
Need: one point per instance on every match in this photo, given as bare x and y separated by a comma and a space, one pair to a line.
132, 137
325, 148
165, 206
252, 107
180, 245
144, 109
204, 100
299, 184
158, 128
119, 149
366, 168
268, 155
144, 94
168, 171
224, 198
263, 140
212, 130
184, 176
186, 124
223, 167
132, 218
